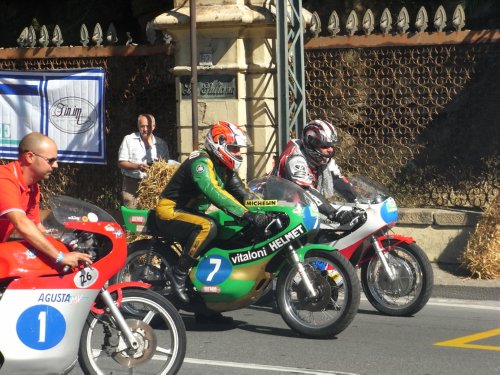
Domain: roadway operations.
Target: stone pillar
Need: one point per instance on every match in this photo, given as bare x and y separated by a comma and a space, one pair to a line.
236, 70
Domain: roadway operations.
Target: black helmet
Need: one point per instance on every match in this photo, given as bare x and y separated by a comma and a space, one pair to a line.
317, 134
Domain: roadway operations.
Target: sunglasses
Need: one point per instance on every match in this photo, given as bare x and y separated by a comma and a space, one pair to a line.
48, 160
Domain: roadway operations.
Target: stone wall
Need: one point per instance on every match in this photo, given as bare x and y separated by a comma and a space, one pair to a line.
442, 233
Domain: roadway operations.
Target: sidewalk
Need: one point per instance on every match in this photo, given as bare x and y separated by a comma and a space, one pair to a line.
451, 281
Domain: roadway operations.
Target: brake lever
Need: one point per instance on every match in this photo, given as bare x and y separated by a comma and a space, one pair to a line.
267, 230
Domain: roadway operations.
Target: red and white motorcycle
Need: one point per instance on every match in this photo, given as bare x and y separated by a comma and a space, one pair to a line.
50, 317
396, 274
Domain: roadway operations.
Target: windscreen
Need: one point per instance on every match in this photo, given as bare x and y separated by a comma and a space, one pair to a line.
65, 209
366, 189
286, 193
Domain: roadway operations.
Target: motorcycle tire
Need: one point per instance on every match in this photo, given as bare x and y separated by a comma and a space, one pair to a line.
160, 332
337, 285
412, 287
146, 262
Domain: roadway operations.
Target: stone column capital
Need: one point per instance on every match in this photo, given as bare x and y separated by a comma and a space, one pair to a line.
214, 14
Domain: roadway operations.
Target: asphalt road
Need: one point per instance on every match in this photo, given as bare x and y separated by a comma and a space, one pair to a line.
261, 343
373, 344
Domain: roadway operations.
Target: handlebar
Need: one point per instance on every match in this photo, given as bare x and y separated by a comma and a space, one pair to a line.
79, 241
67, 269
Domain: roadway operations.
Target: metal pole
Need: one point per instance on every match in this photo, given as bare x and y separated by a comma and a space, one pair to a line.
290, 70
194, 73
282, 76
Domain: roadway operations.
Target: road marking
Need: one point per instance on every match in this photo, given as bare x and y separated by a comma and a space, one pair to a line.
253, 366
464, 342
477, 305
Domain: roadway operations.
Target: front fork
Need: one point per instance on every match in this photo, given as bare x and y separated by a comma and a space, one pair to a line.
302, 272
379, 250
118, 317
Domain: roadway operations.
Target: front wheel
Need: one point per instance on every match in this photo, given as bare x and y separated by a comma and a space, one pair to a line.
159, 330
412, 287
336, 304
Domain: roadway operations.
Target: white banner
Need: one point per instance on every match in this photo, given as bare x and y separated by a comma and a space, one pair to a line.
66, 105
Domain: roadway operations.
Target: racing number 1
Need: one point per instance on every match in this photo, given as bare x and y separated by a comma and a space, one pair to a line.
217, 263
42, 318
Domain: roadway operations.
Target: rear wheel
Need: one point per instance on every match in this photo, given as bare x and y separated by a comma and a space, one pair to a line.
158, 329
411, 289
146, 263
337, 285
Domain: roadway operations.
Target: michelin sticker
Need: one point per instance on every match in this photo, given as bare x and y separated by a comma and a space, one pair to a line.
261, 203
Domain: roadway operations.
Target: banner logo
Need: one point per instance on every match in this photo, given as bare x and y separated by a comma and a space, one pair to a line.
73, 115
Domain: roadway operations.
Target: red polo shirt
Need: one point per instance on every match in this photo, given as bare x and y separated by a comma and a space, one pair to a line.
15, 195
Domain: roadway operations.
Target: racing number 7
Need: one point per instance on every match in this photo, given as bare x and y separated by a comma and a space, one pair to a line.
217, 262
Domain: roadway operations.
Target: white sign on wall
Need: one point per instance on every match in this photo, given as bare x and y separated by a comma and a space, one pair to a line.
66, 105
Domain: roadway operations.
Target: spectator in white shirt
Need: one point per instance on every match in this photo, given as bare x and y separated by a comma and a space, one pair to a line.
137, 152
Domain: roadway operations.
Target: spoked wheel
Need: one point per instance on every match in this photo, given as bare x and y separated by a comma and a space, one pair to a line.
159, 330
147, 264
411, 288
337, 300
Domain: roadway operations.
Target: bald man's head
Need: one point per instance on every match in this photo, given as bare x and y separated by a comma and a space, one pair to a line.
36, 142
37, 157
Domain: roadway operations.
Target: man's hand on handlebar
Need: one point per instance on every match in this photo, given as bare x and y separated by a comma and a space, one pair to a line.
257, 219
342, 217
72, 259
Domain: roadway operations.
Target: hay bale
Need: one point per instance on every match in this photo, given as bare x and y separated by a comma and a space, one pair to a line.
151, 187
482, 254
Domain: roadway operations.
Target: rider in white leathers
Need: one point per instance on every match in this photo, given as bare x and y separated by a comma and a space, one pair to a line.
309, 163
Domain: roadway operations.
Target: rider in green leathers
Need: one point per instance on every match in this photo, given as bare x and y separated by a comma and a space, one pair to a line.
208, 176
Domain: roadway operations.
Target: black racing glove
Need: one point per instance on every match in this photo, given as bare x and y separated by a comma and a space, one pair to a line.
342, 217
259, 220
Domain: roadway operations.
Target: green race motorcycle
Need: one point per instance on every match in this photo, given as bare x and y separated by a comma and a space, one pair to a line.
317, 290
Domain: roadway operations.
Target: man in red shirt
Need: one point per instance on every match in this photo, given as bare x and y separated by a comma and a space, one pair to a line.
20, 196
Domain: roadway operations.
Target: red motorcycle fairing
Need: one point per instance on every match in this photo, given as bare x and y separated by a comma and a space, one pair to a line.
18, 260
118, 288
406, 239
362, 251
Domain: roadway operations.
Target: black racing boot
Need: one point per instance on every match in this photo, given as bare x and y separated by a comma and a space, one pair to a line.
179, 274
